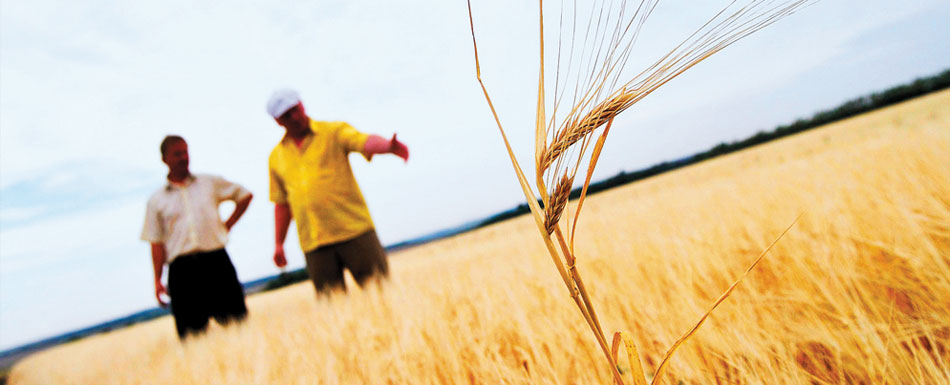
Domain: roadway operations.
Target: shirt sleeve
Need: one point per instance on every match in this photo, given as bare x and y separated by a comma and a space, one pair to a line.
152, 231
227, 190
278, 193
350, 138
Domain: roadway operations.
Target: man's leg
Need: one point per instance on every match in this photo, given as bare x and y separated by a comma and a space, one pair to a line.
184, 278
325, 269
365, 257
226, 302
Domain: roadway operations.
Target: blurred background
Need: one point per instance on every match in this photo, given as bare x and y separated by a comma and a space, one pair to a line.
89, 89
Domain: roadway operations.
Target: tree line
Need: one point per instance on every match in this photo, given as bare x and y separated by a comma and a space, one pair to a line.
893, 95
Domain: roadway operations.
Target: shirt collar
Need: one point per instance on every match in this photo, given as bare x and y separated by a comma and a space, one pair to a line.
169, 186
288, 141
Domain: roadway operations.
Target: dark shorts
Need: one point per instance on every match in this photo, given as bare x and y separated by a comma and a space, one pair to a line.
364, 256
201, 286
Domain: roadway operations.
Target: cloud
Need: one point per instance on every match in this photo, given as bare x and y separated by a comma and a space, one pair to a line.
68, 188
52, 239
18, 214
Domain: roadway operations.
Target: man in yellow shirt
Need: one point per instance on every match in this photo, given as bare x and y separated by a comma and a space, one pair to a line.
312, 183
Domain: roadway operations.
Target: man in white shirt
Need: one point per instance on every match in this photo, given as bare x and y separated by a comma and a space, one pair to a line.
186, 233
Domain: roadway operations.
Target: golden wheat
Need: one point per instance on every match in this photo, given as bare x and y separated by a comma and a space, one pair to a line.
554, 208
856, 294
724, 28
578, 129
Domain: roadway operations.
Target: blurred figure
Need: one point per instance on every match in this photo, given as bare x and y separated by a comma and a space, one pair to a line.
311, 182
183, 226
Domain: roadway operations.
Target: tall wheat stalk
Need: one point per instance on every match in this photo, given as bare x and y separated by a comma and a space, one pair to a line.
596, 99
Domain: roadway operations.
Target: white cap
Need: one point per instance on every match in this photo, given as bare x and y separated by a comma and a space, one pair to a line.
281, 101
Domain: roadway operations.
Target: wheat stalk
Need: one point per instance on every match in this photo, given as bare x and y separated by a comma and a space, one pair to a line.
589, 111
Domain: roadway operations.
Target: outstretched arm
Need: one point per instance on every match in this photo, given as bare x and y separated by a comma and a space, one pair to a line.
239, 208
158, 264
282, 218
376, 144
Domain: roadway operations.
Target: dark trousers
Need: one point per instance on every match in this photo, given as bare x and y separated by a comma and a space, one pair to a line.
204, 285
364, 256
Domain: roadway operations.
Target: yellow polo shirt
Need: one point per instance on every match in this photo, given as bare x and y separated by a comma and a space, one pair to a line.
316, 181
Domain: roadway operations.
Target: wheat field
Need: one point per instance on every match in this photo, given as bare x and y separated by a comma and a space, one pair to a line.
858, 292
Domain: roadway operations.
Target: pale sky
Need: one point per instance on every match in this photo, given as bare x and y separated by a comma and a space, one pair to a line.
88, 89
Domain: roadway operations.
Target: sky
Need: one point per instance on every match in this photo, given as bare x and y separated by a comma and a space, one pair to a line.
88, 90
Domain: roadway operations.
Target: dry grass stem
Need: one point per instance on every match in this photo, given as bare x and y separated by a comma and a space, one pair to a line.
589, 111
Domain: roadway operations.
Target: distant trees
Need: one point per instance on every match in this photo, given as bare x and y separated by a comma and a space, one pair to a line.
847, 109
286, 278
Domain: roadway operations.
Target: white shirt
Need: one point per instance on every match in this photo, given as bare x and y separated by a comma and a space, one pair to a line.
185, 217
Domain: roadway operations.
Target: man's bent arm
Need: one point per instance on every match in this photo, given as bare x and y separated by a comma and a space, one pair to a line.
376, 144
282, 218
158, 265
239, 208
